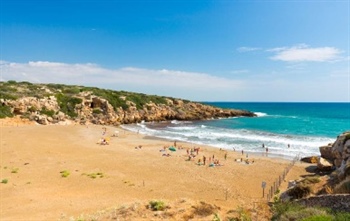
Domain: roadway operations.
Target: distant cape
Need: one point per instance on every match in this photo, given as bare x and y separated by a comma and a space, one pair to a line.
55, 103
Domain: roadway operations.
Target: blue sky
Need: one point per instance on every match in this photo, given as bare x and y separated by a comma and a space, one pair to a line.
203, 50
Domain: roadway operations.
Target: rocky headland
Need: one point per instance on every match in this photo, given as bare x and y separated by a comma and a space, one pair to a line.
55, 103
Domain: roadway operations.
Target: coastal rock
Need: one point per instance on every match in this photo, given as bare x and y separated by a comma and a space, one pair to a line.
338, 154
327, 152
324, 164
312, 159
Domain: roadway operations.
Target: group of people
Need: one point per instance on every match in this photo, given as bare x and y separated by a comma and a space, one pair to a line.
104, 140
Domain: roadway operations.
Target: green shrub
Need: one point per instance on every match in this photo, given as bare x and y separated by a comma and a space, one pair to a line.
96, 111
243, 214
94, 175
47, 112
325, 217
303, 214
71, 90
157, 205
341, 216
5, 111
65, 173
67, 104
113, 97
279, 208
4, 181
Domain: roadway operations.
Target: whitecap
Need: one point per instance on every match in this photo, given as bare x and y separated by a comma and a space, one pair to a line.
260, 114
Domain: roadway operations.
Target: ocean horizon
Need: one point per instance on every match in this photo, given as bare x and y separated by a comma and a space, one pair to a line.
287, 129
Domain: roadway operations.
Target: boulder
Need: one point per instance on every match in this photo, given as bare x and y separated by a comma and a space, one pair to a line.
312, 159
327, 152
324, 164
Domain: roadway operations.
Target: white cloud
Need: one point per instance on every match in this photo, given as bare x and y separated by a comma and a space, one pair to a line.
242, 71
303, 52
247, 49
189, 85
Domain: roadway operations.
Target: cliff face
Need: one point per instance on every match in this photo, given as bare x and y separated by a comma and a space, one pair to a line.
338, 155
85, 106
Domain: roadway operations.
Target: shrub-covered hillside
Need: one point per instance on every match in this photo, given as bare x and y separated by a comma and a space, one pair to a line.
51, 103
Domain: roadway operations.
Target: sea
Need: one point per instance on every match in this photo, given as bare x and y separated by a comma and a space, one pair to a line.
286, 129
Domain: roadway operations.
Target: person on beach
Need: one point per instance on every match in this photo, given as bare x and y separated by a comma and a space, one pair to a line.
242, 152
175, 143
288, 146
267, 149
263, 145
225, 156
204, 159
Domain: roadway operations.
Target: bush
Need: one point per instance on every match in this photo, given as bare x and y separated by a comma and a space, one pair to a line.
67, 104
96, 111
65, 173
4, 181
47, 112
325, 217
5, 111
302, 214
157, 205
341, 216
204, 209
286, 211
310, 180
299, 191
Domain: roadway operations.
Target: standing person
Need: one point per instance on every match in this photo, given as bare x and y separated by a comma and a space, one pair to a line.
263, 145
175, 143
204, 159
242, 152
225, 156
288, 146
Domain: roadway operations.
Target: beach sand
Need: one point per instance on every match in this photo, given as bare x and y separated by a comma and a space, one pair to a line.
32, 157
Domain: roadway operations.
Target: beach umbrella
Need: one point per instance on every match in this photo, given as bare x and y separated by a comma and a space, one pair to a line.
172, 148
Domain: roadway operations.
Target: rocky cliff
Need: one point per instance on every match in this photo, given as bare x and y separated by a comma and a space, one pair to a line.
337, 155
51, 103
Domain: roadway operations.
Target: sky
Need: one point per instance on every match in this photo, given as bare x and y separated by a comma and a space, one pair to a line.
201, 50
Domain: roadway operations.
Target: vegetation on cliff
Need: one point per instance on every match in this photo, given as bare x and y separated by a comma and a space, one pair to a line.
51, 103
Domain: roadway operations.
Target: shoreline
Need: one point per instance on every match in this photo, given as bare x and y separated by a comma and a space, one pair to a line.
39, 153
270, 154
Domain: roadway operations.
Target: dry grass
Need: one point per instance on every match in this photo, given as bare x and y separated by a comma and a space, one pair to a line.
343, 187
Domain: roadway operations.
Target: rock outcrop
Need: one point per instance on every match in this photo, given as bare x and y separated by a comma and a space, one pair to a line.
338, 155
97, 110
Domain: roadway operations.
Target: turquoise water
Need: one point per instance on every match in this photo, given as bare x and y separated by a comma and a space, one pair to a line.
287, 129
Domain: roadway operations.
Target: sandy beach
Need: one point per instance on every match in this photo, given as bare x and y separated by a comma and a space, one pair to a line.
102, 177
